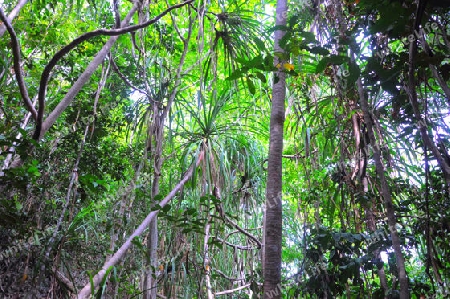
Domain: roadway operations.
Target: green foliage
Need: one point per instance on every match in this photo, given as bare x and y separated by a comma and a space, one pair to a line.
221, 104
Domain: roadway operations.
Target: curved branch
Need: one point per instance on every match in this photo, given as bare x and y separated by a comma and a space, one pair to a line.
240, 247
14, 12
84, 37
255, 239
17, 70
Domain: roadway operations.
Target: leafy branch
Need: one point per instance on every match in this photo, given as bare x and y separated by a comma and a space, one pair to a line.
84, 37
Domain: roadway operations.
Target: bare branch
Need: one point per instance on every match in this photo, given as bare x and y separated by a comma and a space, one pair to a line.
17, 69
113, 32
175, 25
65, 281
294, 157
240, 247
233, 290
255, 239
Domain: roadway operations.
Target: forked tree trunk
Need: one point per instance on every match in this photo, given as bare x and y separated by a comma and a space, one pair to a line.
273, 209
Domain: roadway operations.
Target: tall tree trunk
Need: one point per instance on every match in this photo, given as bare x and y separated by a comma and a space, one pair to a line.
360, 170
155, 139
158, 131
390, 211
157, 127
273, 209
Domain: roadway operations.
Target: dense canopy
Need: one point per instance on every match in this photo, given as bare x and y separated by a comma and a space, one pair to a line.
230, 149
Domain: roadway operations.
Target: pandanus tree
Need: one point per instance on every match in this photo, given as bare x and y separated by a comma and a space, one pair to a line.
176, 110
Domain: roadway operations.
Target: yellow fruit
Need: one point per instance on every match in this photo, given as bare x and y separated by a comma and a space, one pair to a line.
288, 66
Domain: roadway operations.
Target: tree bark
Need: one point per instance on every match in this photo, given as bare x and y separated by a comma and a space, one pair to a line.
273, 209
157, 127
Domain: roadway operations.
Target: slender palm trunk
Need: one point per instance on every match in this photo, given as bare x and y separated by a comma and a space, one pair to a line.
273, 209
